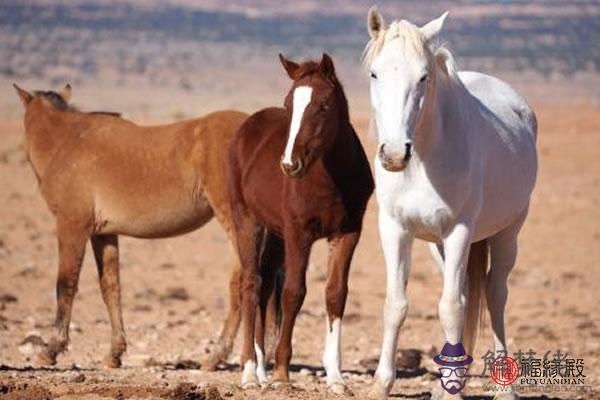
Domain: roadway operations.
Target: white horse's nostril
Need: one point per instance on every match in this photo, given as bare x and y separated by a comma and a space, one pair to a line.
407, 151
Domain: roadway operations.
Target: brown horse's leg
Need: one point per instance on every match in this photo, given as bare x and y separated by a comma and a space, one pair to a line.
341, 249
71, 249
221, 350
250, 239
106, 252
297, 252
270, 263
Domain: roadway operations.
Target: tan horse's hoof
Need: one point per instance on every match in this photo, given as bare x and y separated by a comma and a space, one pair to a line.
44, 360
110, 362
377, 392
340, 389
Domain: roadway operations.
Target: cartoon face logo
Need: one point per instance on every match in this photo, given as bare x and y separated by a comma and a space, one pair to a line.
453, 379
453, 361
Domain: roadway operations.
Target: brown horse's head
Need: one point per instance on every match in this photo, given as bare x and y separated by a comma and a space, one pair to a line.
316, 106
59, 100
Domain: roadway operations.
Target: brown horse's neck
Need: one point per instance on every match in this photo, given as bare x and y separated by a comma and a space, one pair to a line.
46, 131
342, 152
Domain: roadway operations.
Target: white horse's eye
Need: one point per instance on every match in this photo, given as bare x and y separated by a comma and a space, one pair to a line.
423, 78
373, 75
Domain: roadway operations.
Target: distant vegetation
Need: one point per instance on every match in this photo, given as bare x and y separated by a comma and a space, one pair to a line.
120, 40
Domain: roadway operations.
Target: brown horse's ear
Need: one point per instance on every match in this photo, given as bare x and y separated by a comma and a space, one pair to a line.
326, 67
290, 66
24, 95
375, 22
66, 92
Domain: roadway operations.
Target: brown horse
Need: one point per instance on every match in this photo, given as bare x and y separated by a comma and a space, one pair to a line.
103, 176
322, 193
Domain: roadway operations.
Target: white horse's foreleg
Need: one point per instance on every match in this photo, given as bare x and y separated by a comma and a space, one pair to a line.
453, 301
396, 243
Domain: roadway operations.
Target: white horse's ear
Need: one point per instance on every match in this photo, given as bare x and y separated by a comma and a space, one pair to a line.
432, 29
66, 92
375, 22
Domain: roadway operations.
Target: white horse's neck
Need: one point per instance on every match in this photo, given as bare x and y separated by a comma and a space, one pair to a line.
440, 129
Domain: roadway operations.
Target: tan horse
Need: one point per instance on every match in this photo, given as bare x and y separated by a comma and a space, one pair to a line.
103, 176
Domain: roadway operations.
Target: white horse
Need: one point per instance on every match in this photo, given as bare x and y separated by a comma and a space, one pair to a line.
455, 166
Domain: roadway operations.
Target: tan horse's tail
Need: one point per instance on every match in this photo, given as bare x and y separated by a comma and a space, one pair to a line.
476, 273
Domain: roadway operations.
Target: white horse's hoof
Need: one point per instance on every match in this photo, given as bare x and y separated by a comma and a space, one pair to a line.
506, 396
377, 392
250, 385
440, 394
339, 389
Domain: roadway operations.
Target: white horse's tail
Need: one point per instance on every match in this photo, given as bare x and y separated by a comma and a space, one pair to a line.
476, 273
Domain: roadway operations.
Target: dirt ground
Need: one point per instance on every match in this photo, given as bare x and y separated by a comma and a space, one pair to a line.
175, 292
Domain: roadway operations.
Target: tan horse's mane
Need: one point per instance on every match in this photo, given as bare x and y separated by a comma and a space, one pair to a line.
59, 103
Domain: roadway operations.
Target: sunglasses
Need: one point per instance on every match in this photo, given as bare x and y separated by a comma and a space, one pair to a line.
447, 372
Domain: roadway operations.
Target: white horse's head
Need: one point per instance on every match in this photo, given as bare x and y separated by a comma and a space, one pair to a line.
402, 69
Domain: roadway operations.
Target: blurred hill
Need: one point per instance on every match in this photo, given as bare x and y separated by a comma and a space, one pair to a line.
150, 49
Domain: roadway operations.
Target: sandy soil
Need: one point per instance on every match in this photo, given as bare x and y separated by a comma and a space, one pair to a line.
553, 296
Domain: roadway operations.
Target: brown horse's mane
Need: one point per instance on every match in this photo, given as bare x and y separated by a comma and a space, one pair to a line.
58, 102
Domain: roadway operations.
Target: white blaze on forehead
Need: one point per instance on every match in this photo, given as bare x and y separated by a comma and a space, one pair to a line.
301, 99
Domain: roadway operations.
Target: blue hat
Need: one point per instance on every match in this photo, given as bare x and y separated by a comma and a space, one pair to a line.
453, 355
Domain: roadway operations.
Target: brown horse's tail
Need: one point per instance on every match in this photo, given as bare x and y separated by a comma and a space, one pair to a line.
274, 315
476, 274
273, 276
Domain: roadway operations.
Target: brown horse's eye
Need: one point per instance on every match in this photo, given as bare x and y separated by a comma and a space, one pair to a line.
323, 107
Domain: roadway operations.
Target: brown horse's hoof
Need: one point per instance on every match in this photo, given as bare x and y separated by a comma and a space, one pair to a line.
211, 362
280, 384
111, 362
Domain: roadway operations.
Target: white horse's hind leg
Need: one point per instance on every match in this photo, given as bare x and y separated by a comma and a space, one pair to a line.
503, 248
396, 243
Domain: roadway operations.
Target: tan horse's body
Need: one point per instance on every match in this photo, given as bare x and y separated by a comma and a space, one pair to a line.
104, 176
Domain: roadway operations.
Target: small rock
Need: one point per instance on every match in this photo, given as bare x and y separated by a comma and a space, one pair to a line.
6, 298
177, 293
31, 344
408, 359
305, 372
77, 378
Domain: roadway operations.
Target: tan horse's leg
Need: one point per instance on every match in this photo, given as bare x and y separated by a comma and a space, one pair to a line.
71, 249
221, 350
250, 241
106, 252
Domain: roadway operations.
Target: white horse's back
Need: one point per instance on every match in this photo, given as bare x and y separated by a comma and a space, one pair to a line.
508, 128
502, 99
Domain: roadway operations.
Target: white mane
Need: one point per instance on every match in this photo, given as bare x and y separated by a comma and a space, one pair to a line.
411, 36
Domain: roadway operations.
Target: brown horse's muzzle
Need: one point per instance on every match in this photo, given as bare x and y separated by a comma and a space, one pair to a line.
294, 170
